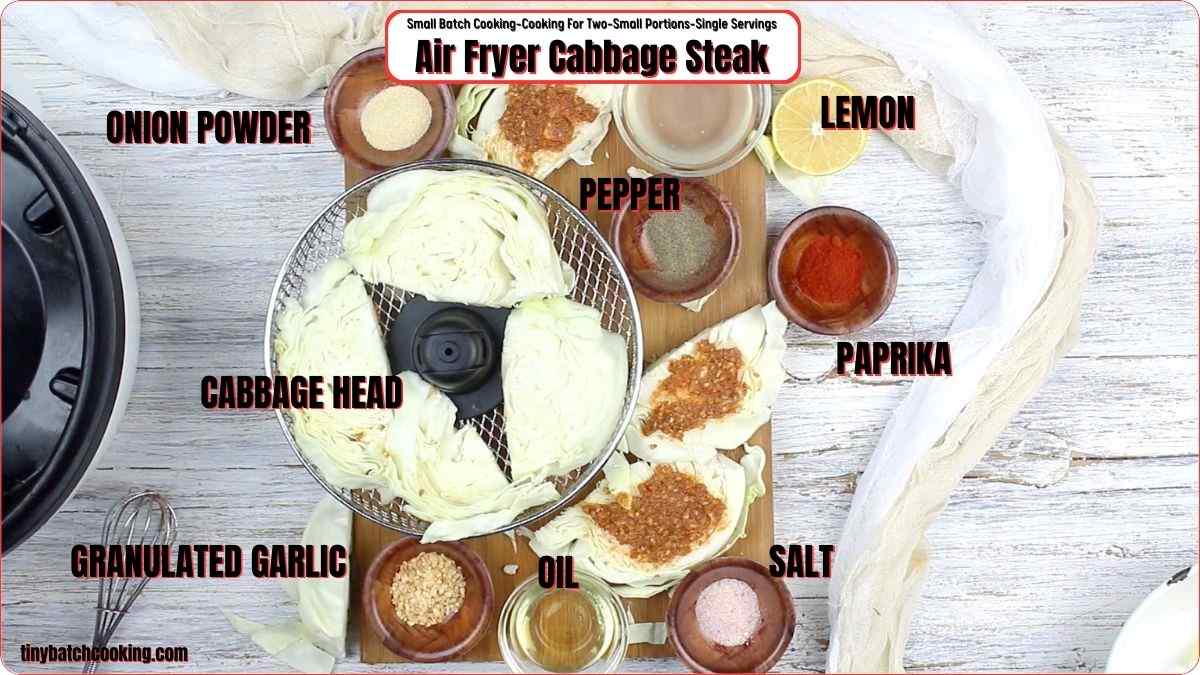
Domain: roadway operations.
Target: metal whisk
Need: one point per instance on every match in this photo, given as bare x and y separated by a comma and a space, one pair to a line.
144, 518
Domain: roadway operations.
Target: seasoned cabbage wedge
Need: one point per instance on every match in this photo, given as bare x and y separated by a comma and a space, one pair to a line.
478, 134
757, 334
573, 532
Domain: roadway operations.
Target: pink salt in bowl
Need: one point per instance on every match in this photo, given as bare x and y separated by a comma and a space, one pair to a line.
689, 615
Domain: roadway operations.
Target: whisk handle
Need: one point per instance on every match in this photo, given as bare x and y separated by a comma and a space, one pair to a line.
92, 665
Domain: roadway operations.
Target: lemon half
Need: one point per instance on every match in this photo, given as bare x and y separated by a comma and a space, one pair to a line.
797, 134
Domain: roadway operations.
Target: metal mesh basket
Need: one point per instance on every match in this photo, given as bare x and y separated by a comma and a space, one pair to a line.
600, 283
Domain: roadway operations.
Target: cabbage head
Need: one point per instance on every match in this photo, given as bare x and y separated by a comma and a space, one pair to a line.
457, 236
564, 380
448, 476
332, 330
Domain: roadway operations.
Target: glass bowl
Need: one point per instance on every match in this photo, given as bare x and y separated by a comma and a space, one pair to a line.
760, 113
516, 629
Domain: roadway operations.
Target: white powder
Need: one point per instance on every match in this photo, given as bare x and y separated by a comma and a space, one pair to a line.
728, 613
396, 118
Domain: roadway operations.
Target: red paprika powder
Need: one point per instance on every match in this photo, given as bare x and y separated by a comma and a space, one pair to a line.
830, 271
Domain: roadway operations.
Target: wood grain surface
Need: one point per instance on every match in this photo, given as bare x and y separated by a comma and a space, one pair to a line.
664, 326
1085, 504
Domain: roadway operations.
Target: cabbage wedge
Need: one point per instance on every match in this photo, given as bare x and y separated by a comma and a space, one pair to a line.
478, 134
324, 603
332, 330
457, 236
312, 644
448, 476
757, 334
595, 550
564, 379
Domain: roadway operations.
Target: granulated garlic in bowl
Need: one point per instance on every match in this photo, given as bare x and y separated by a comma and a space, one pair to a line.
427, 590
427, 602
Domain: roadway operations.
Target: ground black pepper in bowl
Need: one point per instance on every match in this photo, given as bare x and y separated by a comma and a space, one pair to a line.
680, 242
682, 255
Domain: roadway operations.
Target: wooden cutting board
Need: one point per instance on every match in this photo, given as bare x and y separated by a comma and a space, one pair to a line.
664, 327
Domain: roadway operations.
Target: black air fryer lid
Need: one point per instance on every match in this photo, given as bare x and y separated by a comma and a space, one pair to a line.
64, 324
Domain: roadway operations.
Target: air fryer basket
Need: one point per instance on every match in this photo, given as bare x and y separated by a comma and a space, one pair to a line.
600, 283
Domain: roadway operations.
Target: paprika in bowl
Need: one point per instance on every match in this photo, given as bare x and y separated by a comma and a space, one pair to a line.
833, 271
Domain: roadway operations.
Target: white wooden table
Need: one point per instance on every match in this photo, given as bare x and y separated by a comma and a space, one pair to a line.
1088, 501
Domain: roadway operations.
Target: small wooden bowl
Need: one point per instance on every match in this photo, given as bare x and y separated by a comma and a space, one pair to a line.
880, 271
775, 629
628, 238
349, 91
428, 644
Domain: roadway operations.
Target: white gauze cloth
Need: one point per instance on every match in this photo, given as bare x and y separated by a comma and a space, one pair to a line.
989, 136
272, 50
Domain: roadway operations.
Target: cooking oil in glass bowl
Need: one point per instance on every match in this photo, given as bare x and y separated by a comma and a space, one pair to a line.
564, 630
692, 129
